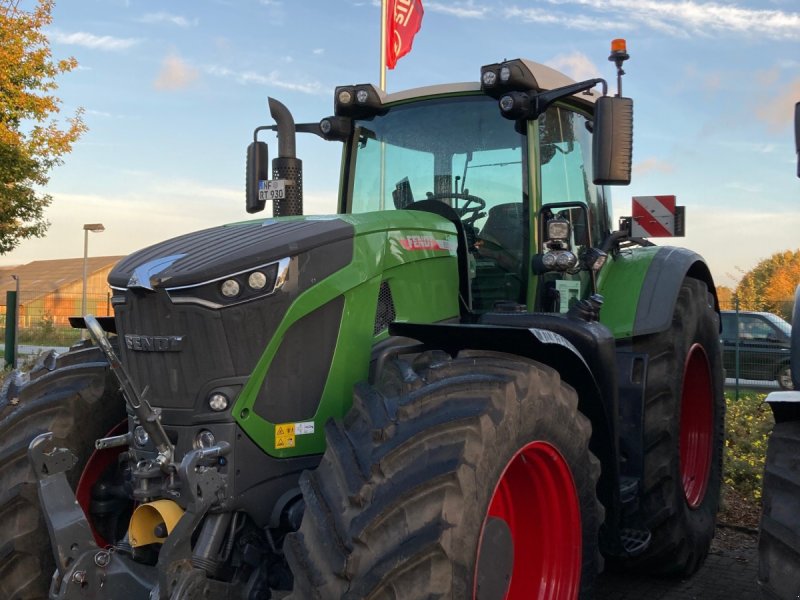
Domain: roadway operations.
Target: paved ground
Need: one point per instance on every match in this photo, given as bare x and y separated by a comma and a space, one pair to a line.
729, 574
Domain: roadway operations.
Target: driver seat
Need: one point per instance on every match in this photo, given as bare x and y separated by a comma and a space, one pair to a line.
503, 233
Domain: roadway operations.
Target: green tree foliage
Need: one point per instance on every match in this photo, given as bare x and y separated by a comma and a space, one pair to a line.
32, 141
770, 285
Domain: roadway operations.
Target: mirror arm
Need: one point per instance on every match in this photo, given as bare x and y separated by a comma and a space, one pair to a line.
543, 100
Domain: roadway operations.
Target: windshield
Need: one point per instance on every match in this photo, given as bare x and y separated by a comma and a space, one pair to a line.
457, 150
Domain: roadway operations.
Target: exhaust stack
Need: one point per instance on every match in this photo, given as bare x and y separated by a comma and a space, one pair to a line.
286, 165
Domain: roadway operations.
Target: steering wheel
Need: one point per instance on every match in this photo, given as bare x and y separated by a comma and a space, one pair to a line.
472, 207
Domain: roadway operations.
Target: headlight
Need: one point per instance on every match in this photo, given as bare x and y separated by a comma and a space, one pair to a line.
257, 280
362, 96
566, 261
234, 288
506, 103
489, 78
345, 97
230, 288
505, 74
218, 402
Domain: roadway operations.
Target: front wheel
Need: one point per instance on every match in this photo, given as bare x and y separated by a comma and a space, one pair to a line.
454, 478
75, 397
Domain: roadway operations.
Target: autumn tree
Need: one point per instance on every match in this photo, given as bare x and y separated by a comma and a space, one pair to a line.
770, 285
32, 141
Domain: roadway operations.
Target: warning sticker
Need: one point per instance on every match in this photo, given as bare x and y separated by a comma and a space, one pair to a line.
285, 433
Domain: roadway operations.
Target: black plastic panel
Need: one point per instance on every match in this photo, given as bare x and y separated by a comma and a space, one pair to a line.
227, 249
296, 378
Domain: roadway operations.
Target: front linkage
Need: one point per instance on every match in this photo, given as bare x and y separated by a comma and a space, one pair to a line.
83, 567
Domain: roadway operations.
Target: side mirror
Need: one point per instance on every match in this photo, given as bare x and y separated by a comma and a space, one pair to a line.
257, 170
612, 145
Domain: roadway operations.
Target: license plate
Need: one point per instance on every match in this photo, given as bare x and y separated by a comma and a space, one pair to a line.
274, 189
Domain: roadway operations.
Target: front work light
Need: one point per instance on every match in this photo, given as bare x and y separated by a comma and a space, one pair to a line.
558, 229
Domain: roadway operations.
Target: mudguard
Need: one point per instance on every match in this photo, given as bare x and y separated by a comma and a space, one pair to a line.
582, 353
640, 287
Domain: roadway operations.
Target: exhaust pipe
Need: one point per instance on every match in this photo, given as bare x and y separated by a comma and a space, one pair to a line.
287, 166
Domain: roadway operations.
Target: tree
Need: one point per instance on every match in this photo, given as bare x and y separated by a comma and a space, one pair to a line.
770, 285
32, 141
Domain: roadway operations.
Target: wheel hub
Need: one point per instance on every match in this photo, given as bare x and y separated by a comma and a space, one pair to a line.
532, 530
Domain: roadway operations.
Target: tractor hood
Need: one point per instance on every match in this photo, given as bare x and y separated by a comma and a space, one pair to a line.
221, 251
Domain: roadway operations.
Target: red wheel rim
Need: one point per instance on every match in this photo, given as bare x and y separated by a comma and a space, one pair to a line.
537, 499
697, 425
97, 464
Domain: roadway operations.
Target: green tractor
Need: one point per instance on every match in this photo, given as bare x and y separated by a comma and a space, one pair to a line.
466, 384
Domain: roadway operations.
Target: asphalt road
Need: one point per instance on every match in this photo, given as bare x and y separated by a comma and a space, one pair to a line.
729, 573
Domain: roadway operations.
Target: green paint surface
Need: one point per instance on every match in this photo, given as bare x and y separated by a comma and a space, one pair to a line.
415, 253
620, 283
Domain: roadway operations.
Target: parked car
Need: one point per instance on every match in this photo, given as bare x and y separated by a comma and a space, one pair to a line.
764, 344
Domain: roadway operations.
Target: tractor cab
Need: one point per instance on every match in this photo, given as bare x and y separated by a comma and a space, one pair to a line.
521, 189
518, 162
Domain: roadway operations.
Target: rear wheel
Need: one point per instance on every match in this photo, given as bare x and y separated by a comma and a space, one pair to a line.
779, 535
454, 478
684, 416
72, 397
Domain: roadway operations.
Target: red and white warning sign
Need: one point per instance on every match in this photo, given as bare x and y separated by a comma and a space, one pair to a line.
657, 216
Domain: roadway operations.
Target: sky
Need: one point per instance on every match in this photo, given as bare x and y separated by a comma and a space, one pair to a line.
172, 90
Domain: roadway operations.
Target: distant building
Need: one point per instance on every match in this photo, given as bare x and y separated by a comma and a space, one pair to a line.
52, 289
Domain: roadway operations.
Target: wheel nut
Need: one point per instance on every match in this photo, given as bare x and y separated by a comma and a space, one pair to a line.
102, 558
79, 577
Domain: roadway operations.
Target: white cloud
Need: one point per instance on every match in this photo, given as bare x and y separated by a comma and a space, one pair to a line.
575, 64
89, 40
462, 10
651, 165
175, 74
690, 16
271, 79
318, 51
570, 20
163, 17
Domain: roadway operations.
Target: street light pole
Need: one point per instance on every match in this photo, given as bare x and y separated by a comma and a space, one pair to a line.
97, 228
16, 324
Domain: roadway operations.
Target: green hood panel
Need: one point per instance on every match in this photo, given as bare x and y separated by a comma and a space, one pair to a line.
413, 255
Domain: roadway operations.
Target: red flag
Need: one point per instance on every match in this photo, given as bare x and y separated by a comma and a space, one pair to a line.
404, 18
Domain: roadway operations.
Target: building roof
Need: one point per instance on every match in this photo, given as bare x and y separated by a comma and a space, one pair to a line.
42, 277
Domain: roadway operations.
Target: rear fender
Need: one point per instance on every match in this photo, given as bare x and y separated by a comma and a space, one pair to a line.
641, 285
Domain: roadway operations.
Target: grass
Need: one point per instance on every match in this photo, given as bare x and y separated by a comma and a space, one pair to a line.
748, 424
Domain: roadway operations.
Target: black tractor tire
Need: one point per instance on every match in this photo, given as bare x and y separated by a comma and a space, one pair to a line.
74, 396
405, 502
779, 536
683, 396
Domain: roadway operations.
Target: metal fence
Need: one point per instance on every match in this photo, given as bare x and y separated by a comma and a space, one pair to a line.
43, 319
756, 345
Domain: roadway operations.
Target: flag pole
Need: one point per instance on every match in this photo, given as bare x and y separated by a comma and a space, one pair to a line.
384, 15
